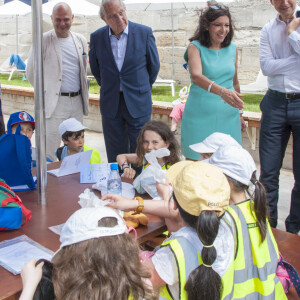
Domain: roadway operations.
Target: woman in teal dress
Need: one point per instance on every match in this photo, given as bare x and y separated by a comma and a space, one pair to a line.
214, 99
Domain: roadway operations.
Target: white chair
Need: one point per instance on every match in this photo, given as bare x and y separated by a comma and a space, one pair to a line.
165, 82
4, 69
23, 72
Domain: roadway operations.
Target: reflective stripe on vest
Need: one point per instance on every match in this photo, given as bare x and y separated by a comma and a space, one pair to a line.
163, 167
187, 259
255, 262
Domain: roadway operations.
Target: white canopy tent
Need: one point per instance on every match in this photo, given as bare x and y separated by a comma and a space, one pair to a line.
79, 7
15, 8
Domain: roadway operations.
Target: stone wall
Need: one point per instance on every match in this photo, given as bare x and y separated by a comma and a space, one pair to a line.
249, 17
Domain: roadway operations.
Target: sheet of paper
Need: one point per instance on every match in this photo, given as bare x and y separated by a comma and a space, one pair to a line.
71, 164
94, 173
15, 253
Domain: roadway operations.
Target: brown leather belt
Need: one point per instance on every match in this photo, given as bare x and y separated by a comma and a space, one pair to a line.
71, 94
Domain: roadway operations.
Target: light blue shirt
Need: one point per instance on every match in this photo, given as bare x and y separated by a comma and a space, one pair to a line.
118, 47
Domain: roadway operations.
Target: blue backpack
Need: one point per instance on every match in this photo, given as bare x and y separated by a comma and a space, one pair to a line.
15, 166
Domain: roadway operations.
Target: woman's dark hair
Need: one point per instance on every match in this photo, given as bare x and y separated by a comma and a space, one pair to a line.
207, 16
68, 134
166, 134
259, 198
204, 282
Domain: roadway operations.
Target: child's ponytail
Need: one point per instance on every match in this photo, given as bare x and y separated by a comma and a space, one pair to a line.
204, 282
260, 205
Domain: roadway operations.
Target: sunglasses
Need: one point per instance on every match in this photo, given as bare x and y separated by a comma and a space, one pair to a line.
219, 6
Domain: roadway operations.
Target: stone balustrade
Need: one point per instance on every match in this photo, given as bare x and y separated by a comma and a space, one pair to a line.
15, 98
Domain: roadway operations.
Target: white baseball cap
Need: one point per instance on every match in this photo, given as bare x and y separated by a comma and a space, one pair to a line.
235, 162
70, 125
83, 225
213, 142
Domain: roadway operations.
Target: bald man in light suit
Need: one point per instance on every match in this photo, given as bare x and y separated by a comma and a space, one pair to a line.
65, 75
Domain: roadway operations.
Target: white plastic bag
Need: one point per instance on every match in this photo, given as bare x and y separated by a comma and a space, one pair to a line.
89, 199
146, 181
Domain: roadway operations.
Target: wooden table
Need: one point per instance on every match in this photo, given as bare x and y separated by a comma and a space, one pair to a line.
62, 196
62, 201
289, 247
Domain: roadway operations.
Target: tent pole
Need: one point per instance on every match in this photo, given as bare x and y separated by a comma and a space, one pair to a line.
17, 34
37, 30
172, 22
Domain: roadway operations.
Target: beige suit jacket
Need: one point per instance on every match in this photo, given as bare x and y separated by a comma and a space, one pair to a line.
52, 63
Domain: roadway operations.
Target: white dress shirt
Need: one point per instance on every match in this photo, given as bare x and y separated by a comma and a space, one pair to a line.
280, 56
118, 46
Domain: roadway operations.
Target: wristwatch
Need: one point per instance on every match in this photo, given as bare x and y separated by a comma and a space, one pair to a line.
140, 206
124, 165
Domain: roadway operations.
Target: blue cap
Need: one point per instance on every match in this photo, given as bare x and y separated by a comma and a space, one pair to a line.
19, 117
114, 166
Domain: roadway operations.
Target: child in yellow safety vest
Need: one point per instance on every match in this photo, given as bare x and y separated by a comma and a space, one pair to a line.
72, 135
257, 253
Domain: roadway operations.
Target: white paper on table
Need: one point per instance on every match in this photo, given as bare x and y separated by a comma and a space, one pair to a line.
22, 187
71, 164
15, 253
94, 173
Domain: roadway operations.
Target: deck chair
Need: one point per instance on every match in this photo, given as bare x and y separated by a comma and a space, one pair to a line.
23, 72
5, 65
259, 86
165, 82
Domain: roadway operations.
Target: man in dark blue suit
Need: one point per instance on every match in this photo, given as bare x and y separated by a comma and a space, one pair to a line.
125, 63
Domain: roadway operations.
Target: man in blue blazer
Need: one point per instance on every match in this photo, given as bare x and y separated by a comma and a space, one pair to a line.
125, 63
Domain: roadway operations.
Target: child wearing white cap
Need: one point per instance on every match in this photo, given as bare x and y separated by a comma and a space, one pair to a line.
209, 145
249, 211
72, 135
97, 259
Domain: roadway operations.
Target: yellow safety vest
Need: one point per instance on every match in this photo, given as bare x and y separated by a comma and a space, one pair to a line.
255, 262
95, 158
164, 167
246, 278
188, 259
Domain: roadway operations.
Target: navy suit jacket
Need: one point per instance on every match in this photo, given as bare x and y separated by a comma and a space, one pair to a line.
138, 73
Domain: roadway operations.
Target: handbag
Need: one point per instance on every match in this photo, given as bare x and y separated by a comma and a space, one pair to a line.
11, 209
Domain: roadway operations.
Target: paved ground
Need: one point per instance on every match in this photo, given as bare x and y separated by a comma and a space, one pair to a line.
96, 140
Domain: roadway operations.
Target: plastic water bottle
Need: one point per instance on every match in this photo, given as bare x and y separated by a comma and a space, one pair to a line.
114, 182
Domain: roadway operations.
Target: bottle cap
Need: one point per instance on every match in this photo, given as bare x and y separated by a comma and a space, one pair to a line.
114, 166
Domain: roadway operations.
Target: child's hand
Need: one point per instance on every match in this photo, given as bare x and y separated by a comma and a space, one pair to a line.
120, 202
129, 173
31, 276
